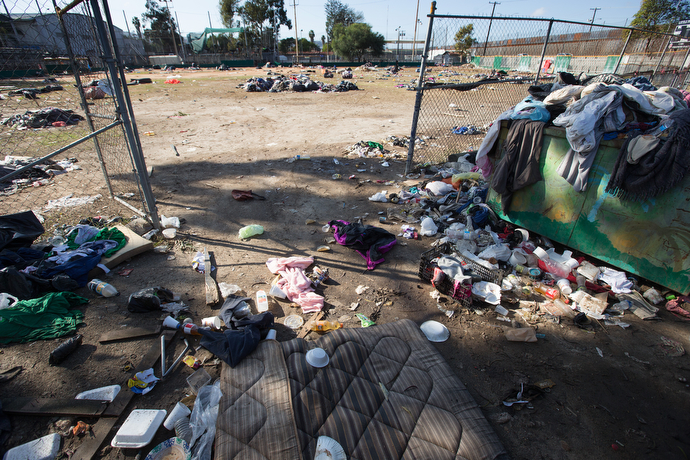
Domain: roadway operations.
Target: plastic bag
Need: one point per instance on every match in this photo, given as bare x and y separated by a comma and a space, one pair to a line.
170, 222
429, 228
381, 196
149, 299
496, 251
203, 421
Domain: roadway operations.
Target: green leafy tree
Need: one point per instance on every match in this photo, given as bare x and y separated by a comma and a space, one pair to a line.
340, 13
306, 45
659, 15
286, 45
353, 41
262, 14
137, 26
159, 33
227, 8
464, 40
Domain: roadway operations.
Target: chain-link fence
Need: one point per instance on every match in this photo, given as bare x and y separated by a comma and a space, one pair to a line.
68, 146
488, 63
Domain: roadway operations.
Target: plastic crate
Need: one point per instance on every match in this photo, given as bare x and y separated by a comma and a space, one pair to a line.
426, 272
464, 296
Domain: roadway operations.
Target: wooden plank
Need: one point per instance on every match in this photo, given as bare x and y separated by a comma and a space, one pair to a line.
129, 333
211, 286
102, 428
53, 406
306, 328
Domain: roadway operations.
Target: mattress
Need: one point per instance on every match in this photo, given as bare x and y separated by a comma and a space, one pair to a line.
386, 393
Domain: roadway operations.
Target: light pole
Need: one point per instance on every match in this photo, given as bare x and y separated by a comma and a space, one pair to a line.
401, 33
414, 41
172, 29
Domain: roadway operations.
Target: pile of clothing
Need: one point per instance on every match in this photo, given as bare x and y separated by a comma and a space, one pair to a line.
299, 83
43, 118
654, 122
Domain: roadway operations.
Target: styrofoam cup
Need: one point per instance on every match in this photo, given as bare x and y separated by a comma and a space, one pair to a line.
277, 292
517, 258
539, 252
271, 335
178, 412
171, 322
213, 322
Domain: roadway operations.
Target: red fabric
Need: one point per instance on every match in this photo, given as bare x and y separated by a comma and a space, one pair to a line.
173, 81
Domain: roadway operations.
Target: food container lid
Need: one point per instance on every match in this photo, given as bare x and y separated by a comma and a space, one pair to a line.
435, 331
139, 428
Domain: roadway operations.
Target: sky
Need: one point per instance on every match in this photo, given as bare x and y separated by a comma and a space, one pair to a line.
385, 16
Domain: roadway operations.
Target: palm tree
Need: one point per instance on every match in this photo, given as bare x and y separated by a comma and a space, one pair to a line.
311, 36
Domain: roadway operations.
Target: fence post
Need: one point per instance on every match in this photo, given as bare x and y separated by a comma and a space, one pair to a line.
420, 90
682, 66
135, 148
543, 51
620, 58
658, 64
84, 104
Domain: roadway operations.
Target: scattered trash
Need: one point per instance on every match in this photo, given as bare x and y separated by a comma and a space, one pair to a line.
365, 322
361, 289
435, 331
65, 349
250, 230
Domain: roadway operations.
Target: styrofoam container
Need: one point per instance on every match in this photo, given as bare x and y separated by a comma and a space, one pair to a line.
435, 331
139, 428
45, 448
100, 394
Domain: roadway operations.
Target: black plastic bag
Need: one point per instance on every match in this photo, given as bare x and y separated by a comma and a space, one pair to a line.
149, 299
19, 230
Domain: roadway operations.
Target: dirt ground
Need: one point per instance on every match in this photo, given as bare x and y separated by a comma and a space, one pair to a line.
616, 394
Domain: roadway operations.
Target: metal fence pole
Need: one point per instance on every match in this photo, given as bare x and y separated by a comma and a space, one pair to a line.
84, 104
420, 90
682, 65
658, 64
543, 51
137, 155
620, 58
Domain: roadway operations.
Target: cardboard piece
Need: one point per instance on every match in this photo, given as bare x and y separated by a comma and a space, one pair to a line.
135, 246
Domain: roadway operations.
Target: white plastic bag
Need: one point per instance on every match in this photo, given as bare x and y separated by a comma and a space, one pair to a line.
496, 251
429, 228
7, 300
381, 196
170, 222
203, 421
439, 188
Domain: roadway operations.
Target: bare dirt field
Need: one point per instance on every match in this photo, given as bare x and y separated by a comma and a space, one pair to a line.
616, 394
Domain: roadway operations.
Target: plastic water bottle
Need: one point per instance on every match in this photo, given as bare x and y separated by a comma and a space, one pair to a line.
468, 229
251, 230
102, 288
65, 349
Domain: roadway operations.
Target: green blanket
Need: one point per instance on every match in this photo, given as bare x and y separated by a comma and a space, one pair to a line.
105, 234
42, 318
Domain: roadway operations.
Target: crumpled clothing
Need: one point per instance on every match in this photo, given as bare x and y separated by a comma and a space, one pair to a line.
45, 317
564, 95
233, 345
487, 144
674, 307
639, 305
617, 280
369, 241
76, 264
294, 282
278, 264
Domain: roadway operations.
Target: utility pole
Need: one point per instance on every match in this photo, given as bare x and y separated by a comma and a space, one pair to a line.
593, 15
294, 6
486, 42
414, 39
210, 26
401, 33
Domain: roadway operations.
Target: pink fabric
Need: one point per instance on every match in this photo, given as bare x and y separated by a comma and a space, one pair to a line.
294, 282
485, 164
277, 264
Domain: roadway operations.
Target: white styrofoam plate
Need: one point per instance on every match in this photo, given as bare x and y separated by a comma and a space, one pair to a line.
139, 428
45, 448
435, 331
100, 394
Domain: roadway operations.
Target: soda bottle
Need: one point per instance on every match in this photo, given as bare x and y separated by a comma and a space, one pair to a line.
549, 292
102, 288
324, 326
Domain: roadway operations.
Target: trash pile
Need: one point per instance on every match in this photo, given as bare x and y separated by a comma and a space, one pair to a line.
480, 261
36, 176
32, 93
370, 149
298, 83
43, 118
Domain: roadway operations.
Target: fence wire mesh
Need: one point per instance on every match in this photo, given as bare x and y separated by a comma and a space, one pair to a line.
487, 65
48, 104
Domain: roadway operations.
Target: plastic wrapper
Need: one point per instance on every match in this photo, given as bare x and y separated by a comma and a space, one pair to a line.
203, 421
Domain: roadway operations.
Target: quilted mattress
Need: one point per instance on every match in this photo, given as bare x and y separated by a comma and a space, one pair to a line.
386, 394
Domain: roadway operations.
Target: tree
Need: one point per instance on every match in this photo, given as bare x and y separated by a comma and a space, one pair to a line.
137, 26
311, 36
353, 41
305, 45
159, 33
227, 8
464, 40
661, 15
257, 12
286, 45
339, 13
